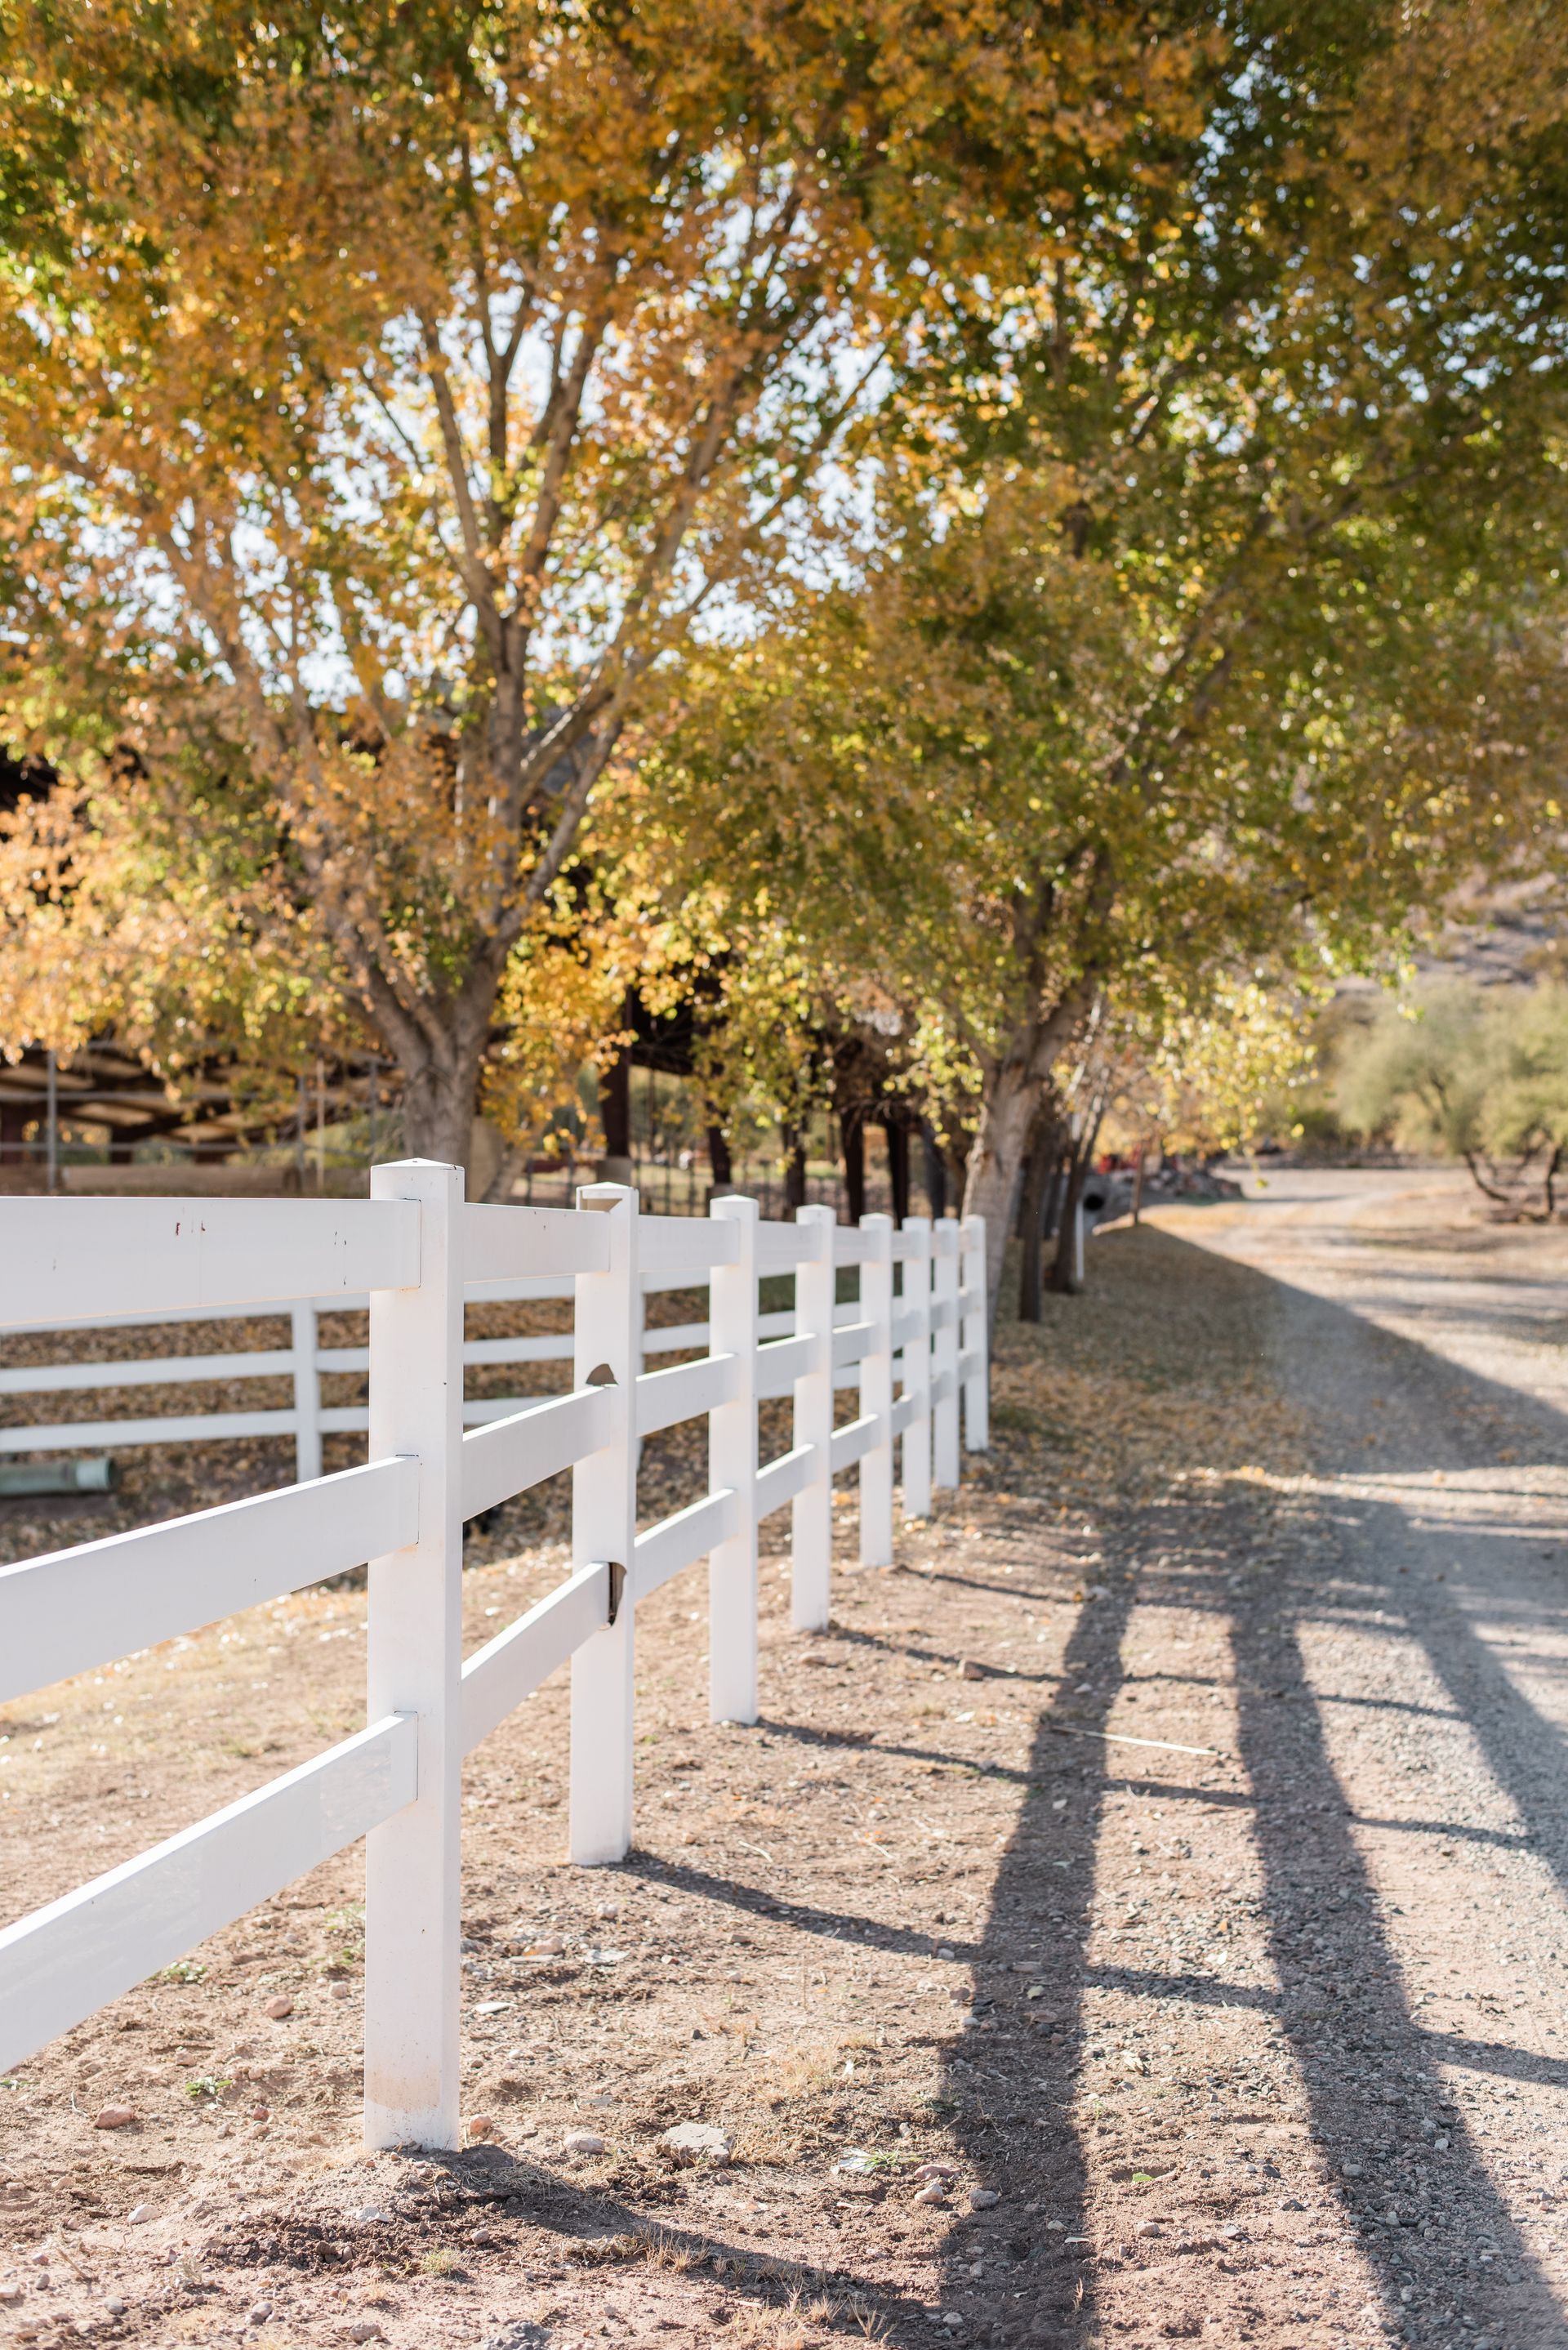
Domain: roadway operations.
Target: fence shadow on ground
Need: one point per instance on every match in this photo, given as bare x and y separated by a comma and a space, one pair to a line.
1016, 2070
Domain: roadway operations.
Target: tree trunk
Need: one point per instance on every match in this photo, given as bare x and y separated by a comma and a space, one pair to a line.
897, 1135
958, 1155
1025, 1182
439, 1108
1063, 1267
440, 1056
1009, 1109
615, 1117
719, 1164
1044, 1154
1016, 1084
795, 1169
852, 1138
1051, 1209
1031, 1241
936, 1174
1489, 1185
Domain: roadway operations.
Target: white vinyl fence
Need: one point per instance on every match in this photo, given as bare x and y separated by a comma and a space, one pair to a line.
413, 1249
305, 1361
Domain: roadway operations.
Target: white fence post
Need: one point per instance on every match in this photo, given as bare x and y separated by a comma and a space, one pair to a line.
976, 1345
876, 1392
811, 1520
916, 1459
945, 1355
307, 1394
412, 1886
609, 1338
639, 1363
732, 1462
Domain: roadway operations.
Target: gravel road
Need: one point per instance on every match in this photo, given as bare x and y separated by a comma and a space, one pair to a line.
1396, 1670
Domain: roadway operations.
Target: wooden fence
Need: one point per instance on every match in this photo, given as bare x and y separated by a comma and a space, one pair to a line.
913, 1342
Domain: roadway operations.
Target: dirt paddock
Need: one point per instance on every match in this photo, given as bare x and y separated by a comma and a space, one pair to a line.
1139, 1918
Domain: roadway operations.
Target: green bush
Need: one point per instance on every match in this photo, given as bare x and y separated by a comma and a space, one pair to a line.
1479, 1074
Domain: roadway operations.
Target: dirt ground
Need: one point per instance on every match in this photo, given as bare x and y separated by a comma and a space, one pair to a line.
1140, 1918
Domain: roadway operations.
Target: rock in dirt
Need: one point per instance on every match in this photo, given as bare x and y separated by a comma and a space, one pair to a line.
582, 2142
982, 2198
258, 2312
481, 2127
114, 2117
364, 2329
935, 2190
278, 2009
10, 2292
970, 1671
521, 2334
697, 2142
143, 2211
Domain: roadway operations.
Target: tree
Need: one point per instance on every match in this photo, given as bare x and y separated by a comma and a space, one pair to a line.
917, 780
1217, 1078
1309, 429
388, 394
1477, 1074
158, 911
1215, 610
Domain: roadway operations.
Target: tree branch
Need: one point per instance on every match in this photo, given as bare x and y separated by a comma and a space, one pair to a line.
473, 569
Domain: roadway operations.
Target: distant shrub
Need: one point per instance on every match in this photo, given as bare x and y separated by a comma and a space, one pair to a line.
1479, 1074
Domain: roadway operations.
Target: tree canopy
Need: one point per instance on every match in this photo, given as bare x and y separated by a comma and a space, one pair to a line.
961, 515
387, 395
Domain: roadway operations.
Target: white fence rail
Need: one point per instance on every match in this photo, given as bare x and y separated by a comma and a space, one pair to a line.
304, 1361
413, 1251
